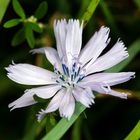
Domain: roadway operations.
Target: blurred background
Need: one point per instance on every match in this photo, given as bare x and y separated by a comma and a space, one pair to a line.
110, 118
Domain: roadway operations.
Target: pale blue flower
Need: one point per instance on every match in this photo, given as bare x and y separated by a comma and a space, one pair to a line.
77, 72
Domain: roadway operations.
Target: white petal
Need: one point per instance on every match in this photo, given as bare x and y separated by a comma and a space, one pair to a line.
55, 102
69, 39
67, 105
53, 57
89, 92
84, 96
99, 87
118, 94
73, 41
73, 37
60, 35
39, 50
40, 115
95, 46
25, 100
30, 75
109, 78
117, 54
103, 88
44, 92
53, 105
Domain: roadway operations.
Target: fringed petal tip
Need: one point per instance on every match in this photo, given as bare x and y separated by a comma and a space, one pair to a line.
124, 96
11, 107
37, 51
41, 115
133, 75
8, 69
104, 30
118, 94
64, 21
66, 116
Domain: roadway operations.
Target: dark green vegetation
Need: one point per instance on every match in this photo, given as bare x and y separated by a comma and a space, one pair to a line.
110, 118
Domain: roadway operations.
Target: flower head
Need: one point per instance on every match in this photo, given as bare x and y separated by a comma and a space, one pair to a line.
77, 73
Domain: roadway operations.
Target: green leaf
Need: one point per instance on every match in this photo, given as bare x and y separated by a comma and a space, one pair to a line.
35, 27
137, 3
59, 130
3, 6
41, 10
108, 15
50, 122
29, 35
32, 127
89, 12
76, 130
12, 23
19, 37
18, 9
135, 133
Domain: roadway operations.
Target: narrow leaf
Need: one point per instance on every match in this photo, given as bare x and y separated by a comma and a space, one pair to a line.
41, 10
18, 9
29, 36
32, 127
90, 10
76, 130
135, 133
108, 15
12, 23
59, 130
50, 122
19, 37
3, 6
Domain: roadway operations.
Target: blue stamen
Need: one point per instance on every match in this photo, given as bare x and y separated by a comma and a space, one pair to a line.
73, 67
56, 71
75, 74
80, 78
61, 78
65, 69
78, 71
72, 77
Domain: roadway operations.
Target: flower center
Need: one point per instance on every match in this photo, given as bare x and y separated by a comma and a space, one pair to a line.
70, 76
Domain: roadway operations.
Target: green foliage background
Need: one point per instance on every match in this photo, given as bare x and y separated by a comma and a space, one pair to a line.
110, 118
